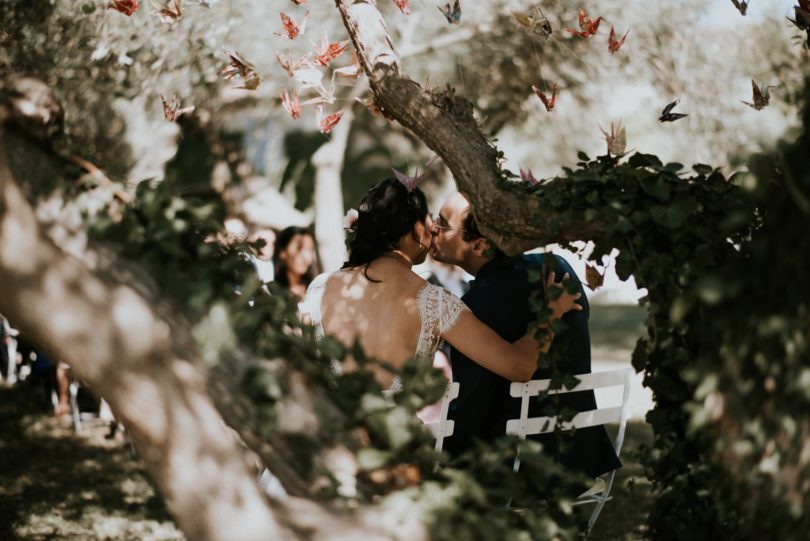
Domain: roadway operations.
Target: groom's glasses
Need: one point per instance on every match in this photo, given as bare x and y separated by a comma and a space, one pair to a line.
441, 224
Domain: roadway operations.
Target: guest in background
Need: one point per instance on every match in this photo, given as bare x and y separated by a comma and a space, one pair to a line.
294, 259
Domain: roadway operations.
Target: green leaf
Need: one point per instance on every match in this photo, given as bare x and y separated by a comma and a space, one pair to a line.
398, 430
644, 160
680, 210
656, 187
592, 198
624, 266
703, 257
570, 381
535, 274
558, 326
702, 168
710, 290
624, 225
582, 156
567, 413
660, 214
639, 358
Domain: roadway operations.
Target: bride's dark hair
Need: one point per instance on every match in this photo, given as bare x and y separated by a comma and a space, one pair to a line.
386, 213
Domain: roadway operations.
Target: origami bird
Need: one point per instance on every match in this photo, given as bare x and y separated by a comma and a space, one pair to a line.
762, 96
668, 116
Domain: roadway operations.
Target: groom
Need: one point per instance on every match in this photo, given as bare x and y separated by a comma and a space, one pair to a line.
499, 297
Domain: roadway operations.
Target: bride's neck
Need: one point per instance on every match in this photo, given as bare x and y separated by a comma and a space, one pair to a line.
401, 256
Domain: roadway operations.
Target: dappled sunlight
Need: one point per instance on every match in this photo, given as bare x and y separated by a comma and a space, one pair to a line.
57, 485
382, 316
139, 334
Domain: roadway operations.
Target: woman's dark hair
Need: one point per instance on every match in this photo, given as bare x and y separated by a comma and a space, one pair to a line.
283, 240
386, 213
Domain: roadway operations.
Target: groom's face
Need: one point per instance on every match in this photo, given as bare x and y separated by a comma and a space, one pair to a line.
449, 245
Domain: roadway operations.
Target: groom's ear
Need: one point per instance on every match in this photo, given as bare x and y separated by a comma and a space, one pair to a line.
480, 246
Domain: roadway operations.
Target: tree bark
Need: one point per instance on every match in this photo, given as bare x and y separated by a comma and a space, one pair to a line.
118, 343
445, 123
113, 340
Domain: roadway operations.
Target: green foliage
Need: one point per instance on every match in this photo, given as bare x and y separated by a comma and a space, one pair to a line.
29, 30
671, 236
751, 364
723, 262
165, 233
508, 60
685, 236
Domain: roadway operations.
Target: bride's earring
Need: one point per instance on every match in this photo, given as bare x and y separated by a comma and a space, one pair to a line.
422, 246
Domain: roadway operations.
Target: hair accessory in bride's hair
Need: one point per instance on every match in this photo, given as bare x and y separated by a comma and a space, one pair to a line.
350, 220
409, 182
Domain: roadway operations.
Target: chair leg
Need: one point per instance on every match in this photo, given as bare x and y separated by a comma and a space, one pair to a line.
11, 354
594, 516
74, 406
603, 498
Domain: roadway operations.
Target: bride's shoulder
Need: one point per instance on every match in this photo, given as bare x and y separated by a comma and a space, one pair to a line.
320, 280
437, 292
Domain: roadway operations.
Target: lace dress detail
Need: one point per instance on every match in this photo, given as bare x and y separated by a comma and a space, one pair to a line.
311, 305
439, 311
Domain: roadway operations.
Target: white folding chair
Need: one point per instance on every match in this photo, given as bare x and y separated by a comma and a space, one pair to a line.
9, 345
527, 426
444, 427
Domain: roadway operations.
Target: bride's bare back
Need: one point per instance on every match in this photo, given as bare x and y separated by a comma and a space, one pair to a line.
383, 315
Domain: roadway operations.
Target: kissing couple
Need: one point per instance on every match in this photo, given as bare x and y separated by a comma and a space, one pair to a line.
377, 300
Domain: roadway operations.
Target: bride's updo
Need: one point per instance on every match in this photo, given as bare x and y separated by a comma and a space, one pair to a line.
386, 213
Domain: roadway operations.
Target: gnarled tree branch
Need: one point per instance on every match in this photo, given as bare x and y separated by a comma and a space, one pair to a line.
114, 341
135, 356
445, 123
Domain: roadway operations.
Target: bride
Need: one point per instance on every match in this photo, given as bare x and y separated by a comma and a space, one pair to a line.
395, 314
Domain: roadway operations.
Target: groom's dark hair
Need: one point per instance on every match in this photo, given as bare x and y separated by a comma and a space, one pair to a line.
471, 232
388, 211
470, 228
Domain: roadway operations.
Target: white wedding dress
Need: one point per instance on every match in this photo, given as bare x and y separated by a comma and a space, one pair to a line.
439, 311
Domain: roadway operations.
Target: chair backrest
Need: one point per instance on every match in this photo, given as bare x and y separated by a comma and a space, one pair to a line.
444, 427
527, 426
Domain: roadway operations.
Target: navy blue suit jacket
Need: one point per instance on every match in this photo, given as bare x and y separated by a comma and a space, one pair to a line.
499, 297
